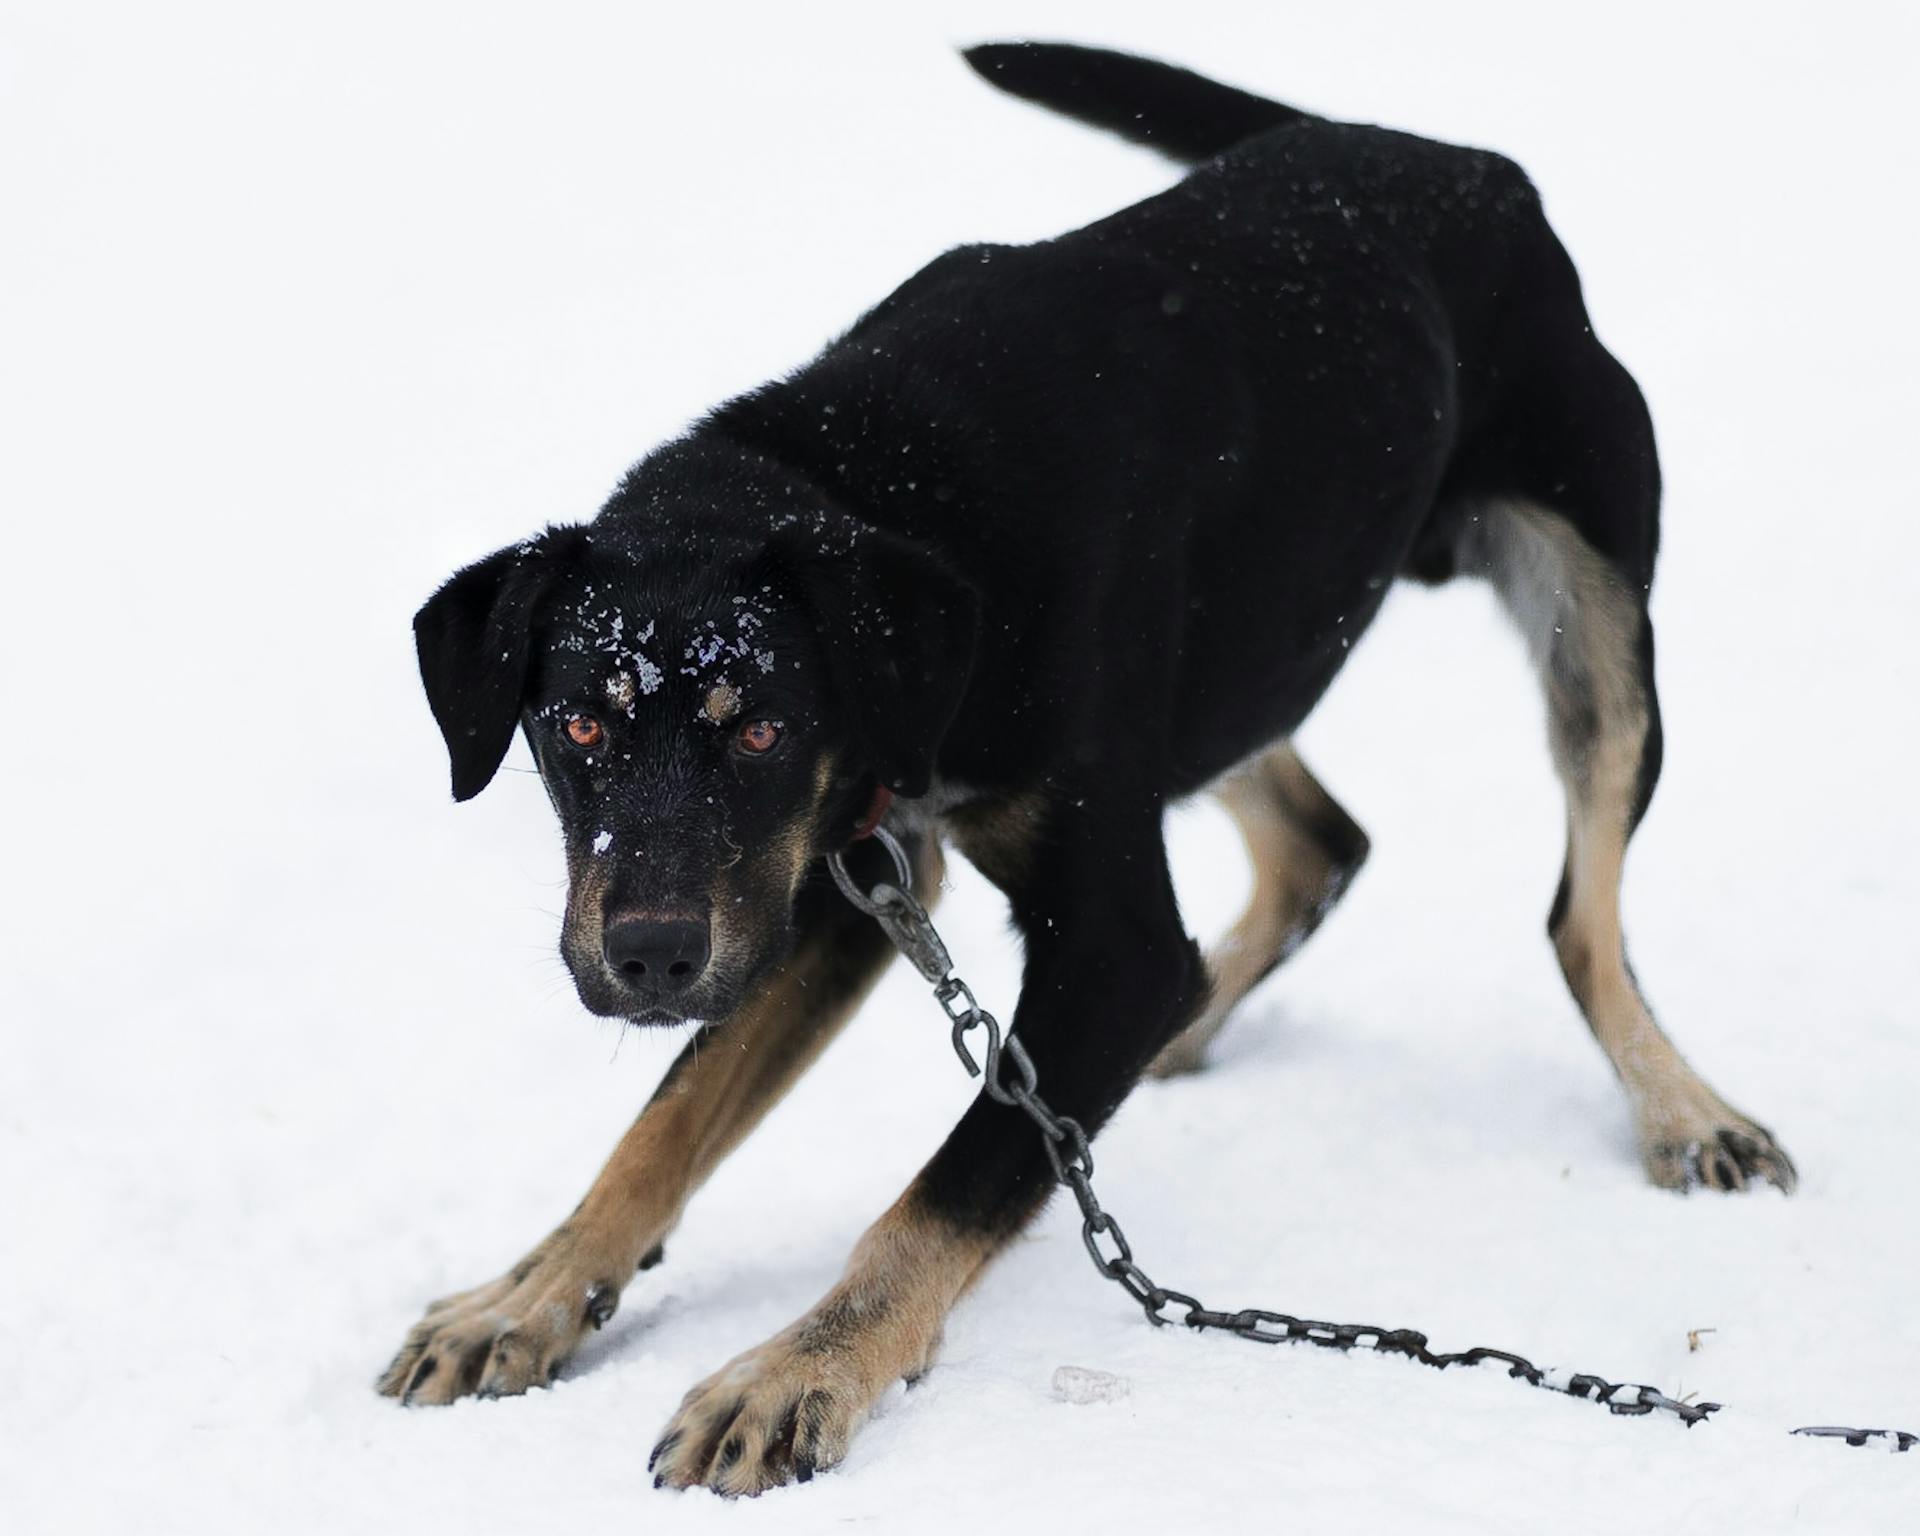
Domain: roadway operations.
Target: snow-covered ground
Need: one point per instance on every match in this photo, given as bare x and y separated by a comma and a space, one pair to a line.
299, 308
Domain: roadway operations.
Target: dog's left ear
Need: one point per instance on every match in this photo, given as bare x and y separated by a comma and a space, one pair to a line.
898, 629
473, 637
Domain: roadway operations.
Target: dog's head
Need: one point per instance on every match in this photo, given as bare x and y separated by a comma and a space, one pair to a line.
713, 698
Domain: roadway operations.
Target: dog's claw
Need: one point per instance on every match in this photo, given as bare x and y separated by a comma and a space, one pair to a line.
509, 1336
420, 1376
1729, 1158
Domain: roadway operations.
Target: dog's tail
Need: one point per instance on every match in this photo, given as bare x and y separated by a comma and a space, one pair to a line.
1183, 115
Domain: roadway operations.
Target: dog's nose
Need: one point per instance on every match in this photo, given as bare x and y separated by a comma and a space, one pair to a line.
659, 955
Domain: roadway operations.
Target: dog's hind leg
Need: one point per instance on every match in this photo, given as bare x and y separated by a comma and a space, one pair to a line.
1592, 643
1305, 851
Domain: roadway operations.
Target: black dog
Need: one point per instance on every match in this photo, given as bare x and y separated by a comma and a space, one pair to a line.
1055, 535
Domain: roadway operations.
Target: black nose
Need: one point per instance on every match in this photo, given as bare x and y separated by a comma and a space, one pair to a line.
658, 955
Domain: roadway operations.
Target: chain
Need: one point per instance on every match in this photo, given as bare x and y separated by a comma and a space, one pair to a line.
1010, 1078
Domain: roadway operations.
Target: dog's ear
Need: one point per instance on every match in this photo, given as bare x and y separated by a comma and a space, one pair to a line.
897, 628
472, 637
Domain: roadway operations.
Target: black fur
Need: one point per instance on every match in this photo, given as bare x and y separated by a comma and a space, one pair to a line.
1140, 100
1079, 524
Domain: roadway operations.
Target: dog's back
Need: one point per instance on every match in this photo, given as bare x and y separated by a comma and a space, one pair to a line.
1312, 216
1283, 382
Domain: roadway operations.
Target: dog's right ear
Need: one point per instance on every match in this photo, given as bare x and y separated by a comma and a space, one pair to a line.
472, 637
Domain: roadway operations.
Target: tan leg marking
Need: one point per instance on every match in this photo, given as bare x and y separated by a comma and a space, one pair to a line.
789, 1407
997, 836
515, 1332
1581, 623
1305, 850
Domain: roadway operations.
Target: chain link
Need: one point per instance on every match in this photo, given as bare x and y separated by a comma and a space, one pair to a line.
1065, 1143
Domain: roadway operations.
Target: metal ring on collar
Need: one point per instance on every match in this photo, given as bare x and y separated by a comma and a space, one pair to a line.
903, 871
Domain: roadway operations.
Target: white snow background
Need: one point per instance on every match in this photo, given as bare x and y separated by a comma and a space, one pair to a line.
304, 306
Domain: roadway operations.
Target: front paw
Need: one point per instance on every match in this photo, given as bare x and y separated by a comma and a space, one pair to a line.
502, 1338
782, 1412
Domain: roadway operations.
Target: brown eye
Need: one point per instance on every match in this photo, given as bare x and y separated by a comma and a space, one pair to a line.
584, 731
758, 737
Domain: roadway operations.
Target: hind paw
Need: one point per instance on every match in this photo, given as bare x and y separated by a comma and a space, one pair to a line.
1715, 1149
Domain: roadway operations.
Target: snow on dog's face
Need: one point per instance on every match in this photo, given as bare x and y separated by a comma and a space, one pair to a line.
711, 710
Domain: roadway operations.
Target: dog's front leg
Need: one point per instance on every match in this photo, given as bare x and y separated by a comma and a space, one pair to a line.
514, 1333
1111, 976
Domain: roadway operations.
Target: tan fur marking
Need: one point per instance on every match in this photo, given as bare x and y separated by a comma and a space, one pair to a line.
1275, 802
721, 704
792, 1404
997, 836
741, 1069
588, 880
1580, 622
796, 839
